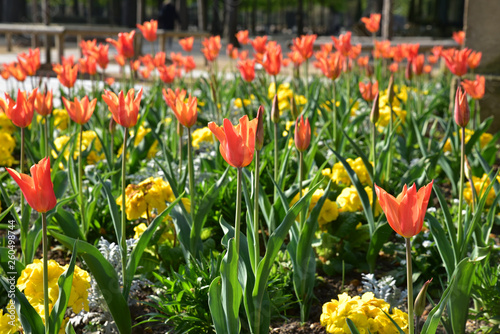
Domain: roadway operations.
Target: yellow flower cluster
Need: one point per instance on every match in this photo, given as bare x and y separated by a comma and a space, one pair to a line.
61, 119
5, 124
239, 103
328, 106
285, 94
349, 200
152, 193
9, 324
339, 175
385, 110
89, 137
141, 133
6, 149
201, 135
367, 313
480, 185
484, 139
329, 212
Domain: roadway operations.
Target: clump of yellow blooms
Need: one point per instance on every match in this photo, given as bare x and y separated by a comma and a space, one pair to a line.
6, 149
5, 124
201, 135
142, 198
401, 95
61, 119
89, 137
9, 324
285, 94
366, 312
239, 103
349, 200
480, 185
329, 212
141, 133
484, 139
339, 175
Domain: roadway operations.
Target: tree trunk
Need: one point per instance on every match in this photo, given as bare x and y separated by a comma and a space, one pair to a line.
129, 9
181, 7
232, 21
253, 17
215, 28
34, 10
268, 23
202, 15
387, 19
300, 17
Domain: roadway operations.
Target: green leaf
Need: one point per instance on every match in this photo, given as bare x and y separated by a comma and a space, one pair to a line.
106, 278
113, 209
352, 326
67, 223
6, 212
231, 293
60, 182
6, 262
450, 225
442, 242
215, 305
377, 241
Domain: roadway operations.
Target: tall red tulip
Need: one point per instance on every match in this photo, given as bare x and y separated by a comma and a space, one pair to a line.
459, 37
30, 62
372, 23
125, 109
80, 111
343, 43
406, 212
247, 69
20, 112
304, 45
149, 29
66, 74
272, 58
38, 188
457, 61
125, 44
237, 143
43, 103
462, 112
302, 134
475, 88
368, 91
242, 37
186, 112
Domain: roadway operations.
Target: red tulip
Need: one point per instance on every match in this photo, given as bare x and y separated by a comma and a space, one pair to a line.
418, 64
30, 62
295, 57
167, 73
372, 23
16, 71
186, 112
170, 96
304, 45
462, 112
66, 74
247, 69
474, 59
101, 56
475, 88
231, 51
368, 91
125, 44
189, 64
459, 37
38, 188
343, 43
242, 37
80, 111
456, 61
124, 109
148, 30
382, 49
20, 112
259, 44
406, 212
272, 58
187, 43
88, 65
43, 103
302, 134
410, 51
89, 48
331, 66
237, 143
211, 47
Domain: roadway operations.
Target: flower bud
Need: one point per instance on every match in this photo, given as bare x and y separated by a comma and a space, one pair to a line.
112, 125
408, 71
293, 107
302, 134
462, 112
390, 88
420, 302
375, 113
275, 110
259, 136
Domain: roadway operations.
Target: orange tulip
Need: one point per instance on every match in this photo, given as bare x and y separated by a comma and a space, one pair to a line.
296, 58
120, 59
272, 58
186, 112
30, 62
187, 43
125, 44
302, 134
418, 64
237, 143
43, 103
149, 29
125, 109
38, 188
68, 60
372, 23
17, 71
88, 65
80, 111
368, 91
170, 96
462, 112
394, 67
410, 51
247, 69
459, 37
189, 64
456, 61
343, 43
331, 66
406, 212
382, 49
134, 65
177, 58
211, 47
66, 74
89, 48
475, 88
5, 72
167, 73
231, 51
259, 44
304, 45
363, 61
101, 56
20, 112
398, 53
242, 37
474, 59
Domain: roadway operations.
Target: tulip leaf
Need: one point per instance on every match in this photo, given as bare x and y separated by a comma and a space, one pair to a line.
113, 209
377, 241
231, 293
33, 239
60, 155
106, 278
443, 244
6, 263
67, 223
450, 225
215, 305
6, 212
352, 326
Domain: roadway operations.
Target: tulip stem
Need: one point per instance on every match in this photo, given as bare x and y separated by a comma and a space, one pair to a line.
45, 272
191, 174
124, 206
461, 186
46, 128
389, 156
334, 109
256, 211
179, 133
409, 281
276, 160
21, 166
237, 218
301, 177
80, 190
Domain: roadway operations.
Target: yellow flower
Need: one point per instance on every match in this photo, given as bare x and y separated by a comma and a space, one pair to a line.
141, 133
5, 124
350, 201
484, 139
201, 135
288, 126
339, 175
480, 185
61, 119
329, 211
239, 103
6, 149
9, 323
89, 138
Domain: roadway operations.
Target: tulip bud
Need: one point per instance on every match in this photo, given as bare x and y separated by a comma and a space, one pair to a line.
180, 129
302, 134
293, 107
462, 112
275, 110
467, 168
259, 136
390, 88
374, 115
112, 125
408, 71
421, 299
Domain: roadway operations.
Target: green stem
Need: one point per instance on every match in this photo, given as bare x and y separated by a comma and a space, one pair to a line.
301, 179
237, 218
276, 160
179, 132
409, 286
334, 109
461, 185
22, 166
307, 77
45, 272
256, 211
389, 156
80, 190
46, 134
473, 113
191, 174
373, 155
124, 206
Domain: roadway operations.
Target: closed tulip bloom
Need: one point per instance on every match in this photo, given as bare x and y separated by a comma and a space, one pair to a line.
170, 96
259, 138
187, 43
101, 56
89, 48
418, 64
125, 44
368, 91
474, 59
273, 58
80, 110
459, 37
296, 58
211, 47
125, 109
372, 23
242, 37
304, 45
247, 69
66, 74
475, 88
375, 113
331, 66
148, 30
186, 112
38, 188
406, 212
43, 103
462, 112
20, 112
237, 143
302, 134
